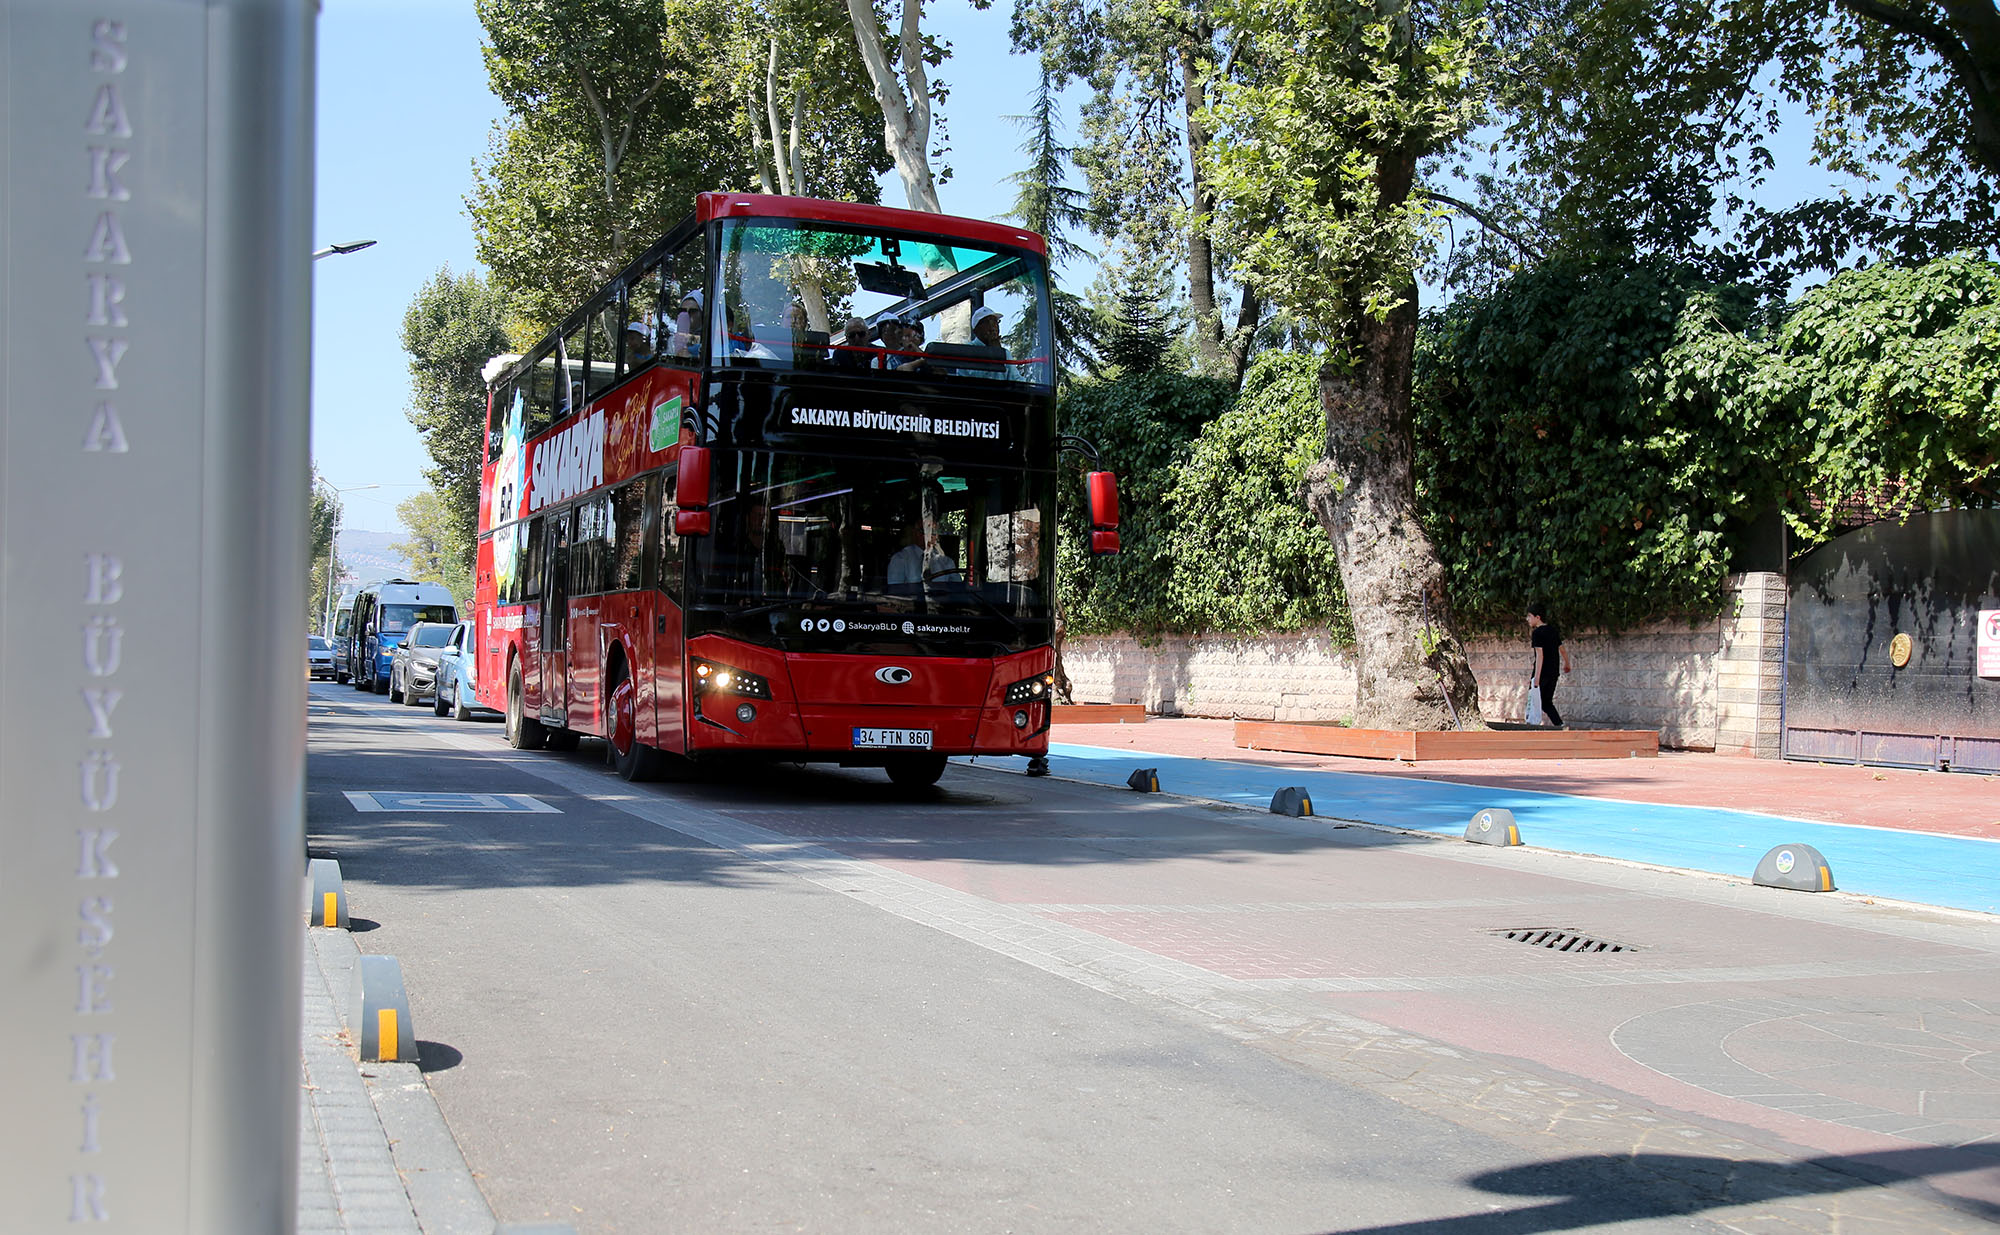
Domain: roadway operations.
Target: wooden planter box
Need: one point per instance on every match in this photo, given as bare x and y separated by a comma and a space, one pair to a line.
1100, 714
1327, 739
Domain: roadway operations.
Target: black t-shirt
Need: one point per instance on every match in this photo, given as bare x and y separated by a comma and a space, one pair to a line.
1546, 638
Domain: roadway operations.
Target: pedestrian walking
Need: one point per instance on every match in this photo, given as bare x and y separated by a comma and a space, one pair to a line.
1550, 660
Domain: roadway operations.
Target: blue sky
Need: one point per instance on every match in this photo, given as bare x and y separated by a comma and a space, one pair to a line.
403, 113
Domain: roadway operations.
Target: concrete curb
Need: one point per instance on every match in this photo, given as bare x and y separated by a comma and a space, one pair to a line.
375, 1154
1258, 816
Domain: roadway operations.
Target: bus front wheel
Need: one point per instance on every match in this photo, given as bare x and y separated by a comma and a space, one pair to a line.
915, 771
634, 760
522, 732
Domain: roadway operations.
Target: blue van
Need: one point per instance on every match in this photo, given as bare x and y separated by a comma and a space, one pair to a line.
383, 614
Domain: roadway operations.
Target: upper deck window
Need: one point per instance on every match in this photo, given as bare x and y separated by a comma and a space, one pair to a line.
804, 295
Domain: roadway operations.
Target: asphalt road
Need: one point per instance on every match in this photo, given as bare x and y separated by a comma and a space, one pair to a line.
802, 1000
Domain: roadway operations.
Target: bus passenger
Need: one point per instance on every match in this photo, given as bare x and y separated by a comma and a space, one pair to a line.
638, 345
743, 341
687, 327
853, 351
986, 329
906, 354
892, 342
808, 345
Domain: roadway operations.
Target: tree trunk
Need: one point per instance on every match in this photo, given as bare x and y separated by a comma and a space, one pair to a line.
905, 102
1063, 692
1411, 666
1201, 254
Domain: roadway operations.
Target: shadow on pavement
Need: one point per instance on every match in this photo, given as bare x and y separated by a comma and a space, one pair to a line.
1598, 1190
437, 1057
966, 818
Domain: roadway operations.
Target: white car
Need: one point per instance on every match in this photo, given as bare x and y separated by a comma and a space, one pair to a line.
457, 679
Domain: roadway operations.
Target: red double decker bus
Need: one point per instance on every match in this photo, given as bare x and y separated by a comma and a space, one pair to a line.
784, 487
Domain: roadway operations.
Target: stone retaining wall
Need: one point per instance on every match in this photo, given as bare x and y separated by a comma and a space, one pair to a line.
1714, 685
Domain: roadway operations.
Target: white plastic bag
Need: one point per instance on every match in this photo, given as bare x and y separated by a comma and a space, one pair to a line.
1534, 704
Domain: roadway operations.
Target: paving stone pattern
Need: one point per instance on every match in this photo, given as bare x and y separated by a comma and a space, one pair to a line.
348, 1183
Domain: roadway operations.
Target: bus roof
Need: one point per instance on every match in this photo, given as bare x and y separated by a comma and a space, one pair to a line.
766, 206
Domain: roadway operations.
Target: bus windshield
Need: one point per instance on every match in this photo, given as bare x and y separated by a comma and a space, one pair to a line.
846, 539
805, 295
398, 618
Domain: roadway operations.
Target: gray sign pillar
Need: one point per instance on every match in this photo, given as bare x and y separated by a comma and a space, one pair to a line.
155, 241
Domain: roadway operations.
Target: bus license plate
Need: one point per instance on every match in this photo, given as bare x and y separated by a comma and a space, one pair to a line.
917, 738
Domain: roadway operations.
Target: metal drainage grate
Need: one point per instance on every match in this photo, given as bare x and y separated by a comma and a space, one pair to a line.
1561, 939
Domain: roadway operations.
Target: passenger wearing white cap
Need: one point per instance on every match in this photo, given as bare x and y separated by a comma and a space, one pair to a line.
638, 345
986, 328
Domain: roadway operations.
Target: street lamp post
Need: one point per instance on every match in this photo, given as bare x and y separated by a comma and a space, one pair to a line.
332, 550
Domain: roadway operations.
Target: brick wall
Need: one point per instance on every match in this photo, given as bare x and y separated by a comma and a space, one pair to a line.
1713, 685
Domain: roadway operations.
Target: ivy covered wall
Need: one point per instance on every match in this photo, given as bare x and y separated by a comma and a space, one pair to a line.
1593, 437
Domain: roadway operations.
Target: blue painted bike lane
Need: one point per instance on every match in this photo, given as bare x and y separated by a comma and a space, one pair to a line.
1960, 872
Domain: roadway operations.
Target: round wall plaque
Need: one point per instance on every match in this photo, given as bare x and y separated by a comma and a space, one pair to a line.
1899, 651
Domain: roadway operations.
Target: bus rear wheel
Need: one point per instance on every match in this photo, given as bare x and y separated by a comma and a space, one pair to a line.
522, 732
914, 771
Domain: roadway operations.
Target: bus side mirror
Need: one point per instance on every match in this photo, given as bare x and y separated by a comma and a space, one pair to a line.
1102, 488
691, 514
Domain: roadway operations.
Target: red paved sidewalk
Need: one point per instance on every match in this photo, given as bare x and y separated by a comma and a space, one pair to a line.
1953, 803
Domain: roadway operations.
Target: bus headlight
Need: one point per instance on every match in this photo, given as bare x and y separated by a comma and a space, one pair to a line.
1037, 689
719, 679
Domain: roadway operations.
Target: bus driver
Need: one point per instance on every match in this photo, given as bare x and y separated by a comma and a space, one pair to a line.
920, 560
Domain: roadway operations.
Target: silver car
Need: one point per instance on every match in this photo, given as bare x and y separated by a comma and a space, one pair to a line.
413, 669
319, 656
457, 682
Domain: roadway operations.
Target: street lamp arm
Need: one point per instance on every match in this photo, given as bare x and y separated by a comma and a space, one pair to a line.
345, 246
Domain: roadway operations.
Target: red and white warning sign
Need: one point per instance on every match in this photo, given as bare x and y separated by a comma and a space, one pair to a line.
1989, 643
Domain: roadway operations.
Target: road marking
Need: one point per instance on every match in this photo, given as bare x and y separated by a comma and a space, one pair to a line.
380, 801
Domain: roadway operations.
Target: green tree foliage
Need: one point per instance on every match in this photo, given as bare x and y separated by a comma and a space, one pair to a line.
1639, 119
1586, 434
453, 326
1246, 554
1889, 379
1044, 203
323, 512
1315, 159
619, 112
1139, 330
1149, 66
434, 551
806, 102
1144, 426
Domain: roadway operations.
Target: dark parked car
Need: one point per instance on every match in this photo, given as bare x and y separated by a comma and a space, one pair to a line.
319, 656
413, 669
456, 676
